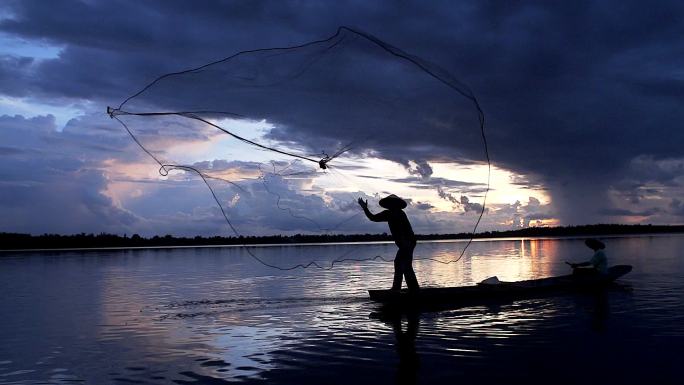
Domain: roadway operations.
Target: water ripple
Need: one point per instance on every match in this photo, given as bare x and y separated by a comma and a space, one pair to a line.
194, 316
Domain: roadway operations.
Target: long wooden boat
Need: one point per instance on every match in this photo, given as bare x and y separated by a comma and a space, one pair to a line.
500, 290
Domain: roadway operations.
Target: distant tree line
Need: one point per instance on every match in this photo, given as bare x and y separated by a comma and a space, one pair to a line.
14, 241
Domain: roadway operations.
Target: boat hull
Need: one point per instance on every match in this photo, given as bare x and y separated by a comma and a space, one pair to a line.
503, 290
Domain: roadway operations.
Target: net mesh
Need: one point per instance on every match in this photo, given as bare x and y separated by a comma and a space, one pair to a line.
297, 133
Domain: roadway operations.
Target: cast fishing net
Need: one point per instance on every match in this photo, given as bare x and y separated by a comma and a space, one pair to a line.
292, 136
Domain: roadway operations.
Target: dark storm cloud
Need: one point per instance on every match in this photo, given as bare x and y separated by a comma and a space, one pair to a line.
575, 93
677, 207
469, 206
629, 213
421, 168
11, 150
652, 169
14, 74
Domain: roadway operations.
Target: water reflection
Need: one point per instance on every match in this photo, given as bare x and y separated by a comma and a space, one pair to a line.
478, 332
600, 310
597, 304
214, 316
405, 334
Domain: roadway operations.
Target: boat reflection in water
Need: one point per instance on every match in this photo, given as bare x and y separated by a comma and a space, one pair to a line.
405, 342
205, 315
479, 331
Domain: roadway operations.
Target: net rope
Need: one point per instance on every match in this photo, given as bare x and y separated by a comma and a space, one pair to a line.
324, 161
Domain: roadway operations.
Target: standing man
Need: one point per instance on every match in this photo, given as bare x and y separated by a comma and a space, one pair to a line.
401, 230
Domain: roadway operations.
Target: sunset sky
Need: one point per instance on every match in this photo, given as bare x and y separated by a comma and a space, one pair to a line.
582, 103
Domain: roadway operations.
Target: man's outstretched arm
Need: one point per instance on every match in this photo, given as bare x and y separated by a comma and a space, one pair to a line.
581, 264
380, 217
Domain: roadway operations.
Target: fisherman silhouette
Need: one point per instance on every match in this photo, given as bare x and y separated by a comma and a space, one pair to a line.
403, 236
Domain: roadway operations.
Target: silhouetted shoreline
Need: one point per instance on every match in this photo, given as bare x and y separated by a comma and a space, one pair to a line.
15, 241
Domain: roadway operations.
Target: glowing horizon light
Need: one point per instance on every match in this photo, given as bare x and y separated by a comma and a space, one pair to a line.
370, 175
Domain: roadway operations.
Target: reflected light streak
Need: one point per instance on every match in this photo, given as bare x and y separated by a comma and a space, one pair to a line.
516, 260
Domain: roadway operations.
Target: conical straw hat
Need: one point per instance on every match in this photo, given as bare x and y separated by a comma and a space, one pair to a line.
393, 202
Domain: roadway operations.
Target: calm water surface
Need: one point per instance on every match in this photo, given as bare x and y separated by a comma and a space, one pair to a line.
214, 316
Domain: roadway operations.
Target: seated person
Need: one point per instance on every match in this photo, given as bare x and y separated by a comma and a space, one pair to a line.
598, 262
